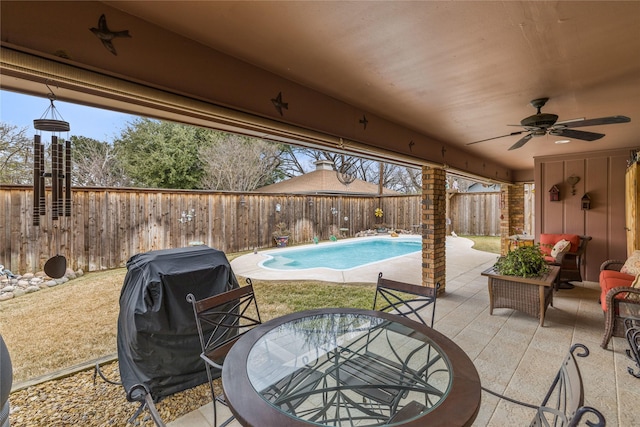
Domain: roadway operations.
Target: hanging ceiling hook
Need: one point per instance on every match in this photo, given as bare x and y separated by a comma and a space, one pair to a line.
52, 96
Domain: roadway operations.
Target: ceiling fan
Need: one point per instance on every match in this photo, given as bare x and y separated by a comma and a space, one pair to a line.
541, 124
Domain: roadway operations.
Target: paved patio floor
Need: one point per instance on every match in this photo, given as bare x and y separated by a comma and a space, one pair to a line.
513, 354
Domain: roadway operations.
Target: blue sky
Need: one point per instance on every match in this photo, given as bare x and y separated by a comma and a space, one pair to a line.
20, 110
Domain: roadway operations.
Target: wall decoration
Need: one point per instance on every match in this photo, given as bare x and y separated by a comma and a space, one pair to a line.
585, 202
554, 194
279, 104
364, 122
572, 181
106, 36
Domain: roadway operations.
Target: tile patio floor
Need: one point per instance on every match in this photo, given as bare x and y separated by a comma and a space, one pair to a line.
513, 354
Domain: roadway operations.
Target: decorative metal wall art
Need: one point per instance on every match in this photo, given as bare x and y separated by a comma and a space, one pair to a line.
279, 104
363, 121
106, 36
572, 181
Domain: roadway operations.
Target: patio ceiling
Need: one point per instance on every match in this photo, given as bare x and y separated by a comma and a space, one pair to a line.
456, 72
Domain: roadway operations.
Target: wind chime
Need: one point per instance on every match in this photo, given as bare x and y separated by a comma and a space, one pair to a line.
59, 175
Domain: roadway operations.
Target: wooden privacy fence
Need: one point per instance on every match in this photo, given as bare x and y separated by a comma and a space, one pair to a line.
109, 225
474, 214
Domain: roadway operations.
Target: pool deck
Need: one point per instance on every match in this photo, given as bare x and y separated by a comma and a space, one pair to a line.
513, 354
460, 258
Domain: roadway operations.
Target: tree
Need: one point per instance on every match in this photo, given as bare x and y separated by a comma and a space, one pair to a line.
238, 163
16, 155
404, 179
95, 163
162, 154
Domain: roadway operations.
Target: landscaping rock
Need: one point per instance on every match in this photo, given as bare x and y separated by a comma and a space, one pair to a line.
16, 285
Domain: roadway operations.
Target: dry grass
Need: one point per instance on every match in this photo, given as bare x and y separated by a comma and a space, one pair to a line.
76, 322
62, 326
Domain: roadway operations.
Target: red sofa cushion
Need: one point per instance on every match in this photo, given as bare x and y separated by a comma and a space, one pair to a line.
610, 279
547, 241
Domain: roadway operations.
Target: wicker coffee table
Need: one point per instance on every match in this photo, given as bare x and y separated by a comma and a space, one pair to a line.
529, 295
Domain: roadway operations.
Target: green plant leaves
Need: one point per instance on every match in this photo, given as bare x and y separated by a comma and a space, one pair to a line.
524, 261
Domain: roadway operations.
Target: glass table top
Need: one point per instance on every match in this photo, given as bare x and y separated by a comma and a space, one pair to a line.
349, 369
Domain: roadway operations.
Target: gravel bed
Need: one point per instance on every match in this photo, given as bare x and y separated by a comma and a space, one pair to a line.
76, 400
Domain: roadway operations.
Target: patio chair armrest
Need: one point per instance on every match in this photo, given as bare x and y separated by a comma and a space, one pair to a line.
613, 292
612, 264
210, 362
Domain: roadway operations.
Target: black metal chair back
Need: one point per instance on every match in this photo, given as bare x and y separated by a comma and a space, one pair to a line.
406, 299
221, 320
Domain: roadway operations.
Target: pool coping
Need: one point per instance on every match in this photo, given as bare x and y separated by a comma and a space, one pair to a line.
406, 268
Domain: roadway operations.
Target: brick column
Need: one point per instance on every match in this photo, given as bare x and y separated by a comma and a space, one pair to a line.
433, 227
511, 213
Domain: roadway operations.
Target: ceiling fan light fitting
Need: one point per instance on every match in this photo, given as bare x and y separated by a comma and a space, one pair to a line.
562, 141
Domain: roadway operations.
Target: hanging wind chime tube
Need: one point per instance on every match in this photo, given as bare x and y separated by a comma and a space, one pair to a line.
60, 173
37, 173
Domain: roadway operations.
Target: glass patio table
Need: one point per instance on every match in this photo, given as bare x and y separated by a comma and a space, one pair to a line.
347, 367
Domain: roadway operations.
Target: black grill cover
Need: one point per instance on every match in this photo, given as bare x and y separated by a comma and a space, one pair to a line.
158, 344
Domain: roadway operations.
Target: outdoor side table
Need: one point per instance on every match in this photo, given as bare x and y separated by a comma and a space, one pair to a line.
528, 295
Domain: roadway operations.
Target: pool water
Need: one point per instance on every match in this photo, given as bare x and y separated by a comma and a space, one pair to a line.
341, 255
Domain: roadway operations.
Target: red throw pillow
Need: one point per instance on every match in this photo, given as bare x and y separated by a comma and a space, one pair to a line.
547, 242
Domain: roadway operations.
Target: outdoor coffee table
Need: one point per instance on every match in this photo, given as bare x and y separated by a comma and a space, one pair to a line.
529, 295
298, 370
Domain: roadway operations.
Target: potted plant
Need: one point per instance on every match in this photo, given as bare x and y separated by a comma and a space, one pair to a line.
281, 234
381, 227
524, 261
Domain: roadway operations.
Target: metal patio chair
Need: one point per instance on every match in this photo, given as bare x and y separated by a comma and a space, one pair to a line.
221, 320
364, 371
405, 299
563, 404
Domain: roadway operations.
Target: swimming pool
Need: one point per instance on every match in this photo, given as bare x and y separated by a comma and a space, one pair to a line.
343, 255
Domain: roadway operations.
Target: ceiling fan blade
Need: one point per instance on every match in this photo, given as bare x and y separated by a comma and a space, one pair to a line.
595, 122
496, 137
577, 134
521, 142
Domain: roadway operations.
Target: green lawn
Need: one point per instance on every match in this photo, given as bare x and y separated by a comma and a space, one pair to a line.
485, 243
